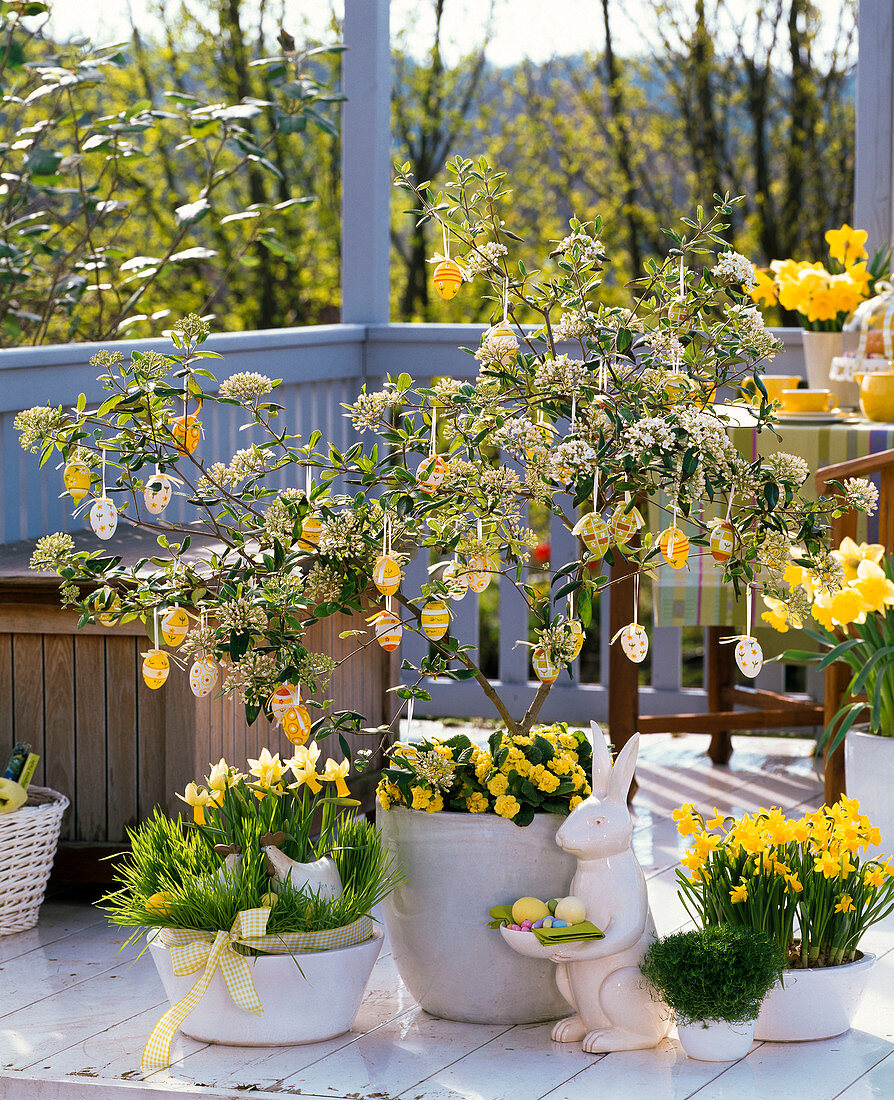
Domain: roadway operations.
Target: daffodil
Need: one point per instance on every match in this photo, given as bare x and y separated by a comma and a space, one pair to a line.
764, 290
198, 798
845, 904
303, 765
335, 773
717, 821
846, 245
874, 587
851, 554
739, 893
222, 777
268, 769
827, 864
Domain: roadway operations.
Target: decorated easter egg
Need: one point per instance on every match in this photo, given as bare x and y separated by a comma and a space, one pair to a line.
592, 530
544, 669
435, 619
106, 615
502, 342
447, 278
674, 547
388, 630
296, 724
571, 909
623, 525
749, 656
478, 573
456, 581
430, 474
156, 667
104, 518
187, 431
576, 631
721, 542
174, 627
284, 696
635, 642
311, 529
157, 494
386, 575
203, 676
77, 477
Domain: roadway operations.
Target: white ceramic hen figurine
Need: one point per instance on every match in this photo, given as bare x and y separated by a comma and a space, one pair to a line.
232, 857
320, 877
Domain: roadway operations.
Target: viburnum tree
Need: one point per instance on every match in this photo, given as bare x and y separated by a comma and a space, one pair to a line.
584, 409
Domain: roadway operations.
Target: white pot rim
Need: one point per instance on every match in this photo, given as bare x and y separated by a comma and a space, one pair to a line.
157, 944
865, 961
868, 735
463, 815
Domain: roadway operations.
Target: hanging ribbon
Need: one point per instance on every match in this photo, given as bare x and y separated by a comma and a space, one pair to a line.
747, 635
155, 614
410, 703
505, 300
433, 447
103, 473
446, 241
573, 410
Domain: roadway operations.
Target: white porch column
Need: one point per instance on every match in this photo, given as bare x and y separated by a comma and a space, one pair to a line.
366, 163
873, 189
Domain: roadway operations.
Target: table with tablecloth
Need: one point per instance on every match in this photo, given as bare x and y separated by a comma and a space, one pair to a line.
695, 596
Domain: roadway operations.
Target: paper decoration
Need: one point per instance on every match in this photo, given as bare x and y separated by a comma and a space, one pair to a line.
674, 547
430, 474
576, 630
544, 669
456, 581
203, 676
623, 525
157, 494
447, 278
284, 696
107, 616
478, 574
388, 630
156, 667
386, 575
311, 530
76, 477
592, 530
174, 627
435, 619
296, 724
722, 540
749, 656
635, 642
187, 431
104, 518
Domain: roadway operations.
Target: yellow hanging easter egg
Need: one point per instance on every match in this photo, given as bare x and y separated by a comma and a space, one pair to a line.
749, 656
722, 540
447, 278
623, 525
635, 642
674, 547
157, 494
283, 698
435, 619
502, 343
430, 474
386, 576
576, 630
203, 676
156, 667
456, 581
478, 573
77, 478
311, 529
175, 627
108, 616
388, 630
296, 724
543, 667
187, 431
592, 530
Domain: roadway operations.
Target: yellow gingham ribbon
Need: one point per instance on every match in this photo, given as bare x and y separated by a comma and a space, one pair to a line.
191, 950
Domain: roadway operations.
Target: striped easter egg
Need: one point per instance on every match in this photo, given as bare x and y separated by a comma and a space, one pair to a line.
435, 619
388, 630
156, 667
430, 474
674, 547
447, 278
386, 575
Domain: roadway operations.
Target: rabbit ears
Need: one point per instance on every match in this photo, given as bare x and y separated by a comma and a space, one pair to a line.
612, 783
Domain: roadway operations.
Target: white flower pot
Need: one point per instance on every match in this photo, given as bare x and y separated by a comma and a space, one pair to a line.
815, 1003
820, 348
716, 1040
458, 866
317, 1002
869, 772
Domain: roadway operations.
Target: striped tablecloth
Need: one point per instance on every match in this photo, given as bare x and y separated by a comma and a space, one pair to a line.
694, 596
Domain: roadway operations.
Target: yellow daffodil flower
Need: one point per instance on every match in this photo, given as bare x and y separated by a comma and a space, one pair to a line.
739, 893
846, 245
764, 290
303, 765
827, 864
874, 587
874, 877
222, 777
335, 773
268, 769
850, 554
777, 615
717, 821
845, 904
198, 798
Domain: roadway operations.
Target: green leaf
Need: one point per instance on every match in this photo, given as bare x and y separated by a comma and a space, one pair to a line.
192, 212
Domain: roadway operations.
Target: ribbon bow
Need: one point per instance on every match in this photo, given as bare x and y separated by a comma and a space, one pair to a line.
190, 952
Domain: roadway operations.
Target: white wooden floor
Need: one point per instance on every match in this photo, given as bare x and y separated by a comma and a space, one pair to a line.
74, 1014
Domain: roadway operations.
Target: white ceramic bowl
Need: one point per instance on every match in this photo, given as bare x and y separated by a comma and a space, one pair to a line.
526, 943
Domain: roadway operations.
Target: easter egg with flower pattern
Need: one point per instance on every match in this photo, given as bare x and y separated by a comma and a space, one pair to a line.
311, 530
544, 669
388, 630
624, 524
721, 541
430, 474
187, 431
104, 518
156, 667
478, 574
203, 676
174, 627
447, 278
635, 642
592, 530
674, 547
77, 477
105, 614
157, 494
284, 696
456, 581
296, 724
749, 656
386, 575
435, 619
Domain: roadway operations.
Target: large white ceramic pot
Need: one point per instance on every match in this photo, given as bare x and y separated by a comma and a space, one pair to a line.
814, 1003
317, 1002
458, 866
869, 772
820, 348
716, 1040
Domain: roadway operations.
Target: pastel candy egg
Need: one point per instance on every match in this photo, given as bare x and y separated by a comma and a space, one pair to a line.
456, 580
156, 667
174, 627
635, 642
526, 926
527, 910
514, 927
157, 494
187, 431
560, 924
284, 696
296, 724
430, 474
311, 529
544, 669
721, 541
76, 477
203, 676
749, 656
674, 547
435, 619
592, 530
388, 630
386, 575
447, 278
538, 923
571, 909
104, 519
547, 922
478, 574
623, 525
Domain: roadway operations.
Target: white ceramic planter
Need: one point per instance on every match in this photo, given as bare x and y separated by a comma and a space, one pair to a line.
814, 1003
318, 1002
458, 866
716, 1040
819, 350
869, 768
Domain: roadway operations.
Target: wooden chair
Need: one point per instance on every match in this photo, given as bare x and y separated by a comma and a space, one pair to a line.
731, 706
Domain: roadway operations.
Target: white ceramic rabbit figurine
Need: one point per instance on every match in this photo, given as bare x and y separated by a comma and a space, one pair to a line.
614, 1008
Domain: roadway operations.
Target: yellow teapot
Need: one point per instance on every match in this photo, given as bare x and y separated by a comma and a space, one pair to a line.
876, 394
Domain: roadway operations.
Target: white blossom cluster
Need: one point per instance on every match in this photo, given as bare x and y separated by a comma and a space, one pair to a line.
588, 248
370, 409
483, 259
497, 350
517, 435
753, 333
616, 317
732, 268
574, 325
279, 519
666, 345
253, 676
446, 388
35, 426
240, 614
715, 449
827, 572
652, 433
560, 375
51, 551
774, 552
324, 583
787, 468
861, 494
434, 769
246, 386
569, 458
342, 536
558, 644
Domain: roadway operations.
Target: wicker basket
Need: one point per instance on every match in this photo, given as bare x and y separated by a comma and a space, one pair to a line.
28, 838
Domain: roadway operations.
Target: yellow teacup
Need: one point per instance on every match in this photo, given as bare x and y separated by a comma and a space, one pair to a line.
876, 395
774, 384
808, 401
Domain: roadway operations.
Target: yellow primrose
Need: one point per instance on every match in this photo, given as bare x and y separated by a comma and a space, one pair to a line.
335, 773
421, 798
874, 587
846, 245
498, 785
476, 803
850, 554
507, 806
